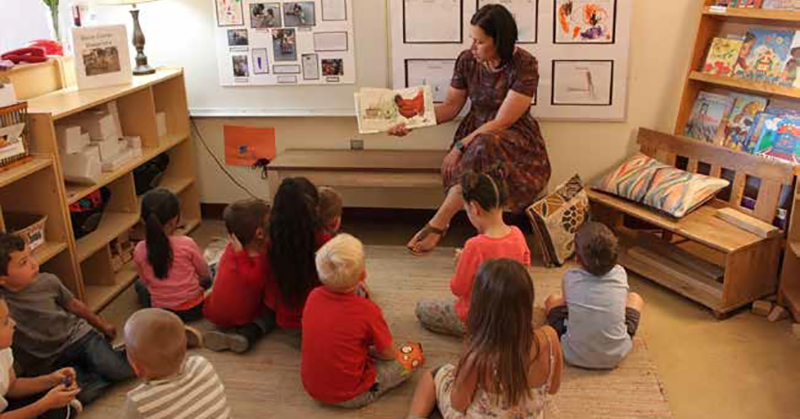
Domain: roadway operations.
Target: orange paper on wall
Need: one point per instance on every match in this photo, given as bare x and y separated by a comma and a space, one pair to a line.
245, 145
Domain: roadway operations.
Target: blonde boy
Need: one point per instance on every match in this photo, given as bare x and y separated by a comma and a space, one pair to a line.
339, 327
174, 385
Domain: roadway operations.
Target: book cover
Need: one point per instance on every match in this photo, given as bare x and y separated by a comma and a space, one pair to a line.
763, 55
779, 139
722, 56
101, 56
789, 75
741, 119
781, 4
379, 110
707, 115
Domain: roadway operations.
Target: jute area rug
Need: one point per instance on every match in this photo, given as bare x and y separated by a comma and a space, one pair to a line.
265, 383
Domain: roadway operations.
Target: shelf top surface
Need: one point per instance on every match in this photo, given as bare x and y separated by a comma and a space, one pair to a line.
755, 14
65, 102
19, 171
764, 88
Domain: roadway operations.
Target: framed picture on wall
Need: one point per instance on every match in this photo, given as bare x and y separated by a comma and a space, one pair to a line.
582, 83
230, 12
260, 61
433, 21
584, 21
526, 14
433, 73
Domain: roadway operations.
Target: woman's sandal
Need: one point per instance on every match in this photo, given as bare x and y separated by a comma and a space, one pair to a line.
423, 234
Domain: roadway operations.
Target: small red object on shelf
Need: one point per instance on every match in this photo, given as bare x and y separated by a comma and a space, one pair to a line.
50, 47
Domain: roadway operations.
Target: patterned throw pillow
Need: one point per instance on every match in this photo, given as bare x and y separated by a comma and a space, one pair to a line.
645, 180
557, 217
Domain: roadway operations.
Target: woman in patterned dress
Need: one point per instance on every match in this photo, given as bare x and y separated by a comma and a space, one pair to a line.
498, 133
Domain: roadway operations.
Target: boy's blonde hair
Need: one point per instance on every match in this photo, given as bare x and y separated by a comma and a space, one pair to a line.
330, 205
156, 341
340, 262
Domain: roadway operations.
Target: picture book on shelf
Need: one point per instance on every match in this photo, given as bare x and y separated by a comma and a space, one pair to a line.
763, 55
779, 139
741, 119
379, 110
749, 4
722, 56
709, 110
781, 4
789, 74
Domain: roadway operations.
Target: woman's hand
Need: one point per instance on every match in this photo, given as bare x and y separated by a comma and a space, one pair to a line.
399, 130
450, 163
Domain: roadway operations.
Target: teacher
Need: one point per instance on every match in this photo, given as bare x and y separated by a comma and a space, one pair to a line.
498, 132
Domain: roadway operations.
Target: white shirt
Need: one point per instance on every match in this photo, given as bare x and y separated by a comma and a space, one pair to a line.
6, 365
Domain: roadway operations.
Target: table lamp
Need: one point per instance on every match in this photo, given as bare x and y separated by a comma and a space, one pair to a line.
138, 36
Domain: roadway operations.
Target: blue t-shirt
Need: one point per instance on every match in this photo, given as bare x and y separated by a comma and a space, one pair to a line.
597, 336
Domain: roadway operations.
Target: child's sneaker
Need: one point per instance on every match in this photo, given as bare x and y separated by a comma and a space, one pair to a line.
76, 405
193, 338
218, 341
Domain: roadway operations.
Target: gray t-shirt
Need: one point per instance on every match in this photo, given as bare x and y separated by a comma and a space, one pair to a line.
44, 326
597, 336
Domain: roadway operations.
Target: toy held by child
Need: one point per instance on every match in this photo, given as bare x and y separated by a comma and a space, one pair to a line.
175, 386
339, 327
484, 199
508, 370
55, 330
235, 304
596, 316
172, 270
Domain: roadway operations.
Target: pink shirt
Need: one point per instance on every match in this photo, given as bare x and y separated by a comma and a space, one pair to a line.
478, 250
182, 282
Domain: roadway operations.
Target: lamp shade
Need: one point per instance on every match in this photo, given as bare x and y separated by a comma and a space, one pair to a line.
123, 2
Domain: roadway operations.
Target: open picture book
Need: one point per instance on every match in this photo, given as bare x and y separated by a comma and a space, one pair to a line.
378, 110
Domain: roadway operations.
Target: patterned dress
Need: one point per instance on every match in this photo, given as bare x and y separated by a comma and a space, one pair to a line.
519, 150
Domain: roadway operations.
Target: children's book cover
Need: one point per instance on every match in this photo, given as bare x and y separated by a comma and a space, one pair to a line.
789, 75
379, 110
707, 115
779, 139
741, 119
722, 56
763, 55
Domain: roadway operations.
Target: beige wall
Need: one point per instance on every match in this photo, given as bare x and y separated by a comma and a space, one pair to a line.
662, 34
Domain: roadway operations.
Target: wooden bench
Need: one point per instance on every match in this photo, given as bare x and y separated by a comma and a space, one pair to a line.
701, 256
360, 168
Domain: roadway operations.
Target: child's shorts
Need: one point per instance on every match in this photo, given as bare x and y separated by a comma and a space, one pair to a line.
557, 319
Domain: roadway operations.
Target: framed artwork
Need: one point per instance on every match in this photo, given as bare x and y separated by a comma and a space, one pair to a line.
240, 66
330, 41
584, 21
433, 21
433, 73
526, 14
310, 66
230, 12
238, 38
284, 43
582, 83
260, 61
299, 14
265, 15
334, 10
332, 67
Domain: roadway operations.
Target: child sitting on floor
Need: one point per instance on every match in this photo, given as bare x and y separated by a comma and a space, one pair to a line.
50, 396
330, 210
171, 267
508, 369
339, 327
235, 302
294, 236
596, 317
174, 386
484, 198
55, 330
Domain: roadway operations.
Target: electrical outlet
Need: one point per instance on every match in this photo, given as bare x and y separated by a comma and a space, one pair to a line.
356, 144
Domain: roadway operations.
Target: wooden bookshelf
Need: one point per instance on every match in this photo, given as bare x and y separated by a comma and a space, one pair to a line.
85, 265
762, 16
789, 295
745, 85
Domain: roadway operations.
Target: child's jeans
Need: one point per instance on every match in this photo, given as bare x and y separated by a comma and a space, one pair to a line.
97, 364
440, 316
390, 374
190, 315
57, 413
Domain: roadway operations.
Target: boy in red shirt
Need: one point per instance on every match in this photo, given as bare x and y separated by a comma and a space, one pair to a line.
339, 329
235, 302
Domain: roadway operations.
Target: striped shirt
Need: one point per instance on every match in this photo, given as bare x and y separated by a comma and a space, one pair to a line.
196, 392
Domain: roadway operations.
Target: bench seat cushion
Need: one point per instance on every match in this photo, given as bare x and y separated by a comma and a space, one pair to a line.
660, 186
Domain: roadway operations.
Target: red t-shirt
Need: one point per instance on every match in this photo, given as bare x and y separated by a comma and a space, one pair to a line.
235, 299
478, 250
338, 330
287, 315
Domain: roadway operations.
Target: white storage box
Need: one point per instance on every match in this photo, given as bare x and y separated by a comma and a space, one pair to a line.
120, 159
70, 139
108, 149
82, 167
100, 125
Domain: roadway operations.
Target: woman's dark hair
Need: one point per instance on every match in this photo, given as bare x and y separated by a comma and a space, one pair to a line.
293, 226
499, 329
499, 24
159, 206
487, 189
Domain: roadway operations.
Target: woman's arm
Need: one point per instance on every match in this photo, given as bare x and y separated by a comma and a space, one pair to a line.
464, 387
514, 107
453, 103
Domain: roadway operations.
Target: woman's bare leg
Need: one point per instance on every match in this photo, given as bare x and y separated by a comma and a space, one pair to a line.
424, 400
453, 203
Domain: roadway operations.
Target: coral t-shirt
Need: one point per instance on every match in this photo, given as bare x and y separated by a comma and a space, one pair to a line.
180, 290
236, 298
288, 315
338, 330
477, 251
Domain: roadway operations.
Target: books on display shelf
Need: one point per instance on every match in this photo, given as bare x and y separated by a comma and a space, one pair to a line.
741, 119
763, 55
707, 116
722, 56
